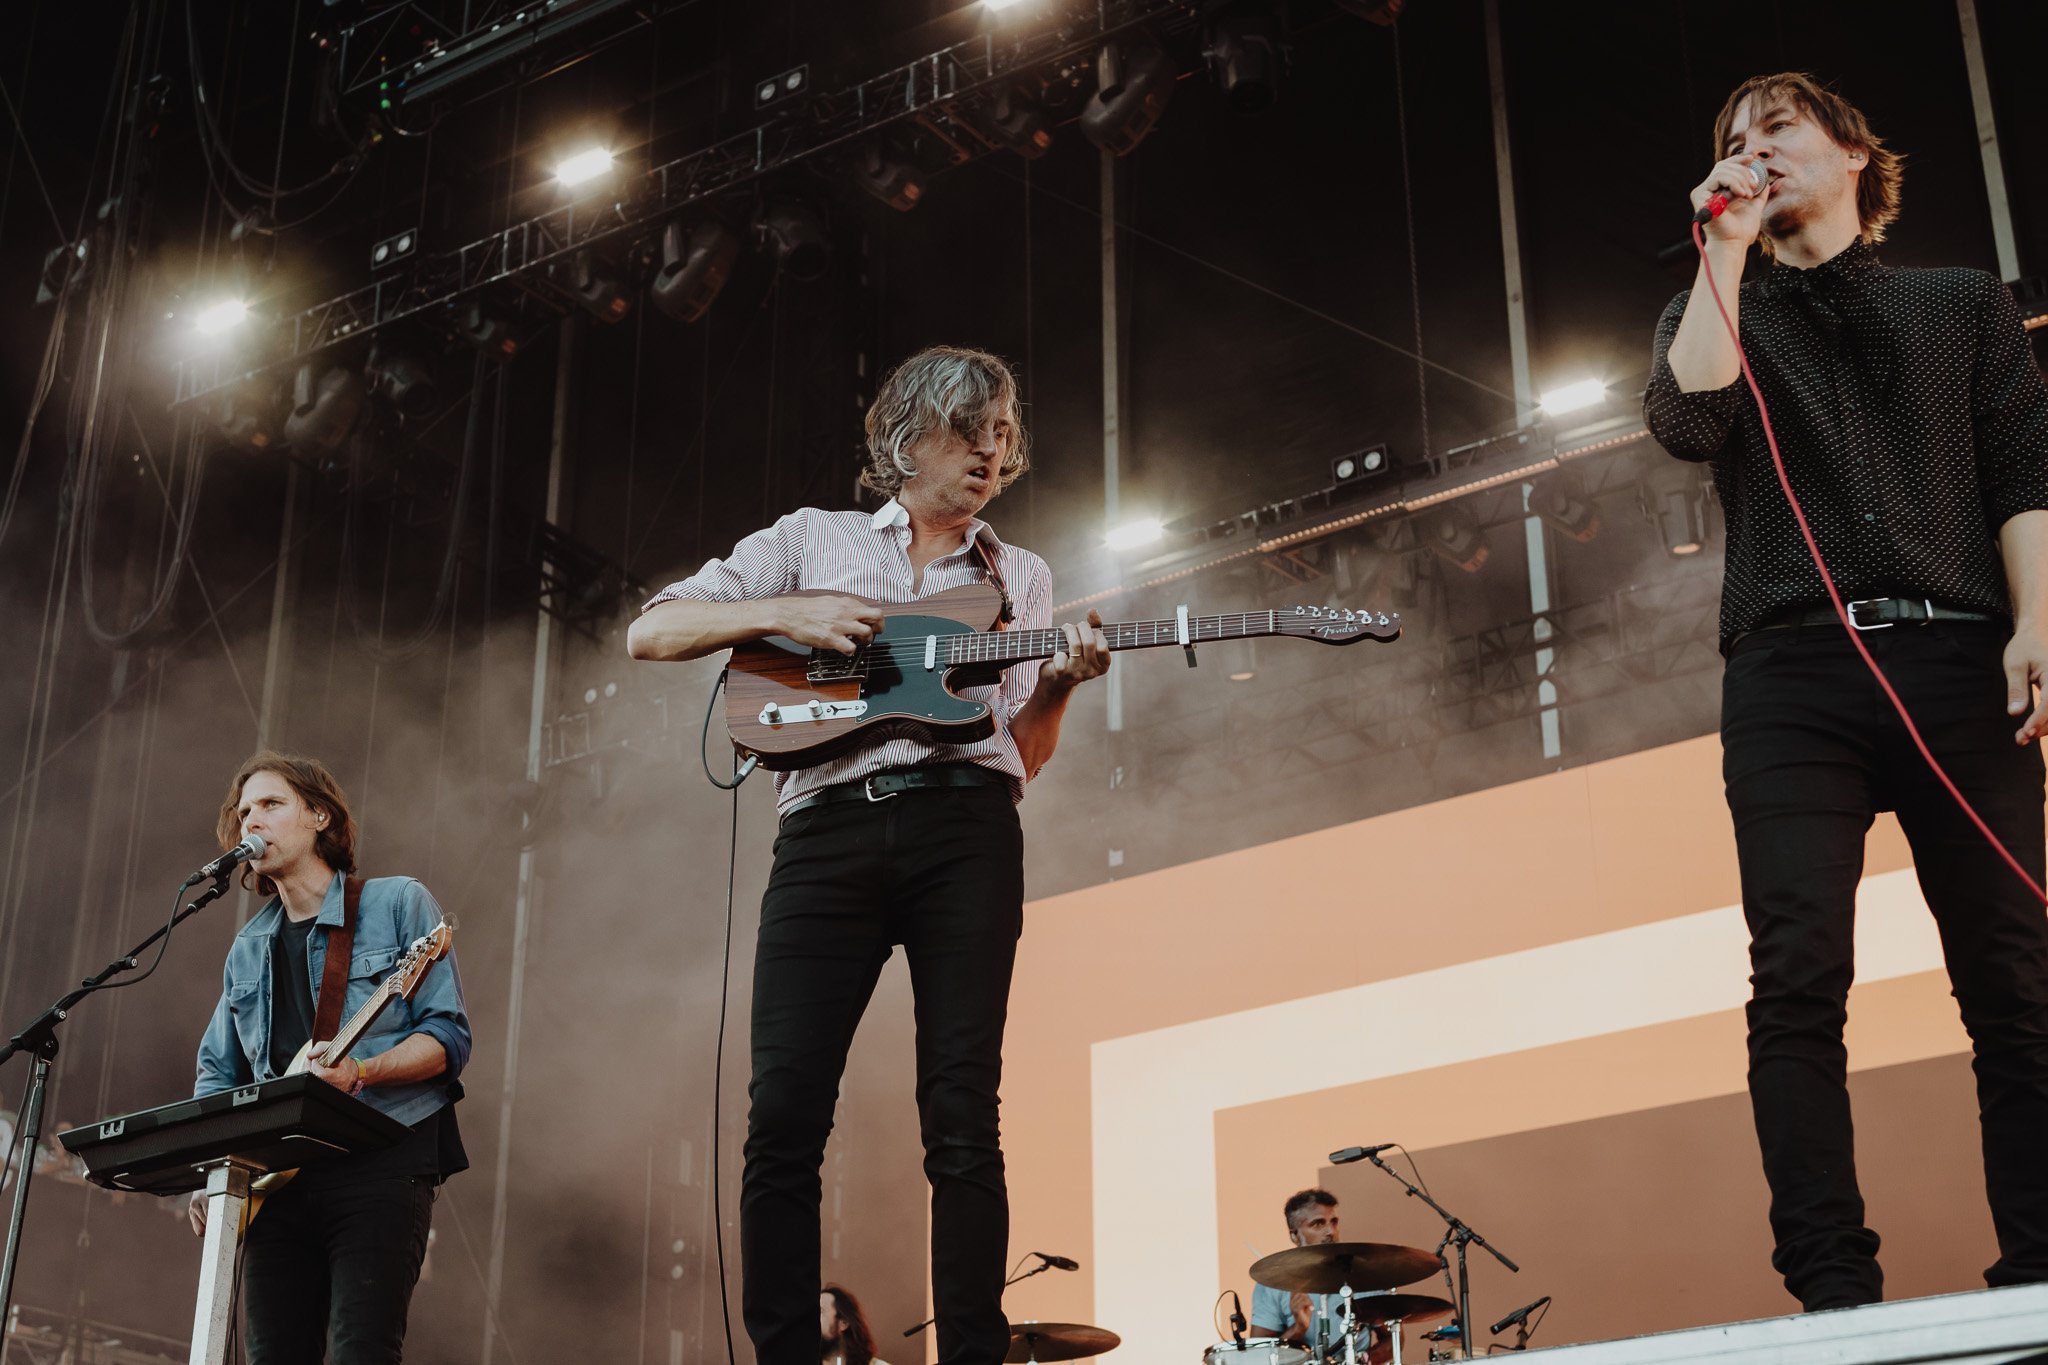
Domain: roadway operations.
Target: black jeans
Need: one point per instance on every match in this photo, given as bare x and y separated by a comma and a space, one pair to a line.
328, 1270
942, 873
1811, 750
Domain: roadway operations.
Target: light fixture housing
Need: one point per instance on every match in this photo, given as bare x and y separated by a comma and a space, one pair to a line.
1454, 536
889, 176
327, 401
1134, 79
1358, 466
802, 248
695, 262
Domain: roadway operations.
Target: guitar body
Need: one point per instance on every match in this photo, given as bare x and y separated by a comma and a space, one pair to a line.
795, 707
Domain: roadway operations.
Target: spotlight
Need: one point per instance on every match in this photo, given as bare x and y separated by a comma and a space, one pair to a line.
1561, 503
1134, 79
248, 417
1359, 465
1676, 499
998, 6
1021, 125
488, 329
1133, 535
889, 177
1456, 538
598, 288
694, 266
217, 318
801, 248
585, 165
1582, 394
399, 246
1244, 53
326, 401
403, 382
782, 85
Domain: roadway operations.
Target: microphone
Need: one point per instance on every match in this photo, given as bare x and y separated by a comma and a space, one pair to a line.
1351, 1154
248, 851
1717, 203
1237, 1322
1518, 1316
1058, 1262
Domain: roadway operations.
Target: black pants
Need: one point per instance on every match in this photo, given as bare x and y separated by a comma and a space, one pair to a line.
328, 1270
942, 873
1811, 750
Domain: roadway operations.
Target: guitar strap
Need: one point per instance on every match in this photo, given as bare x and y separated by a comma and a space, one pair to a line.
995, 578
341, 944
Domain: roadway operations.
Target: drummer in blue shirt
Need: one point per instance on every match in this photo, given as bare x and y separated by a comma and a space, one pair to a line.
1310, 1321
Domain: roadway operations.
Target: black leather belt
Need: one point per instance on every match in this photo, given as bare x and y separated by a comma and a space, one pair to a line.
1870, 613
882, 786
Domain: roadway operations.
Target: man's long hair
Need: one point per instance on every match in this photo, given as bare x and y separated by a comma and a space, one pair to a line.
335, 843
1877, 186
941, 386
857, 1341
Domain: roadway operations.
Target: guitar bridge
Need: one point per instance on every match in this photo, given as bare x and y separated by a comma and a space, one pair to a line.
815, 709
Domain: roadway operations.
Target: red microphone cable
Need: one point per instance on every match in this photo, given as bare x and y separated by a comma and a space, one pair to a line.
1834, 594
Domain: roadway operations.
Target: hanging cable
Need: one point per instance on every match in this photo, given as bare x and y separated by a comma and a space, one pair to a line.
1414, 249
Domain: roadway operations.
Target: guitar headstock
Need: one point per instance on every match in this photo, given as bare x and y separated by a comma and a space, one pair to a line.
405, 978
1338, 625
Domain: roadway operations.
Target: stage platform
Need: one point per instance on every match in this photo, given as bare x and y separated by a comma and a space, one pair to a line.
1988, 1327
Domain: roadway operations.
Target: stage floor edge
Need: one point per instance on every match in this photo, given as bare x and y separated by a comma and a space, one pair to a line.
1984, 1327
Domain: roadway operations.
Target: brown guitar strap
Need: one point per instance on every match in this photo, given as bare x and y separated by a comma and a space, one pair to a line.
341, 944
995, 578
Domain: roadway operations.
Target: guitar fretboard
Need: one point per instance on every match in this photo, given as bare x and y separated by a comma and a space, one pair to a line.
1010, 646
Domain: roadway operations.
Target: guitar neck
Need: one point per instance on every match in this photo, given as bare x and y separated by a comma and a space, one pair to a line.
351, 1032
1015, 646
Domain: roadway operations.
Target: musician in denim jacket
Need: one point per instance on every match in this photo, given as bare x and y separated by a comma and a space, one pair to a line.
342, 1243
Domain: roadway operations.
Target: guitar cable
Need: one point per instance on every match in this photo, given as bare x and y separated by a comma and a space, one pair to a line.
740, 772
740, 769
1834, 593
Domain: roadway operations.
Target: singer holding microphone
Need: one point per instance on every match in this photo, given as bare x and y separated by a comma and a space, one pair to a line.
331, 1261
1913, 424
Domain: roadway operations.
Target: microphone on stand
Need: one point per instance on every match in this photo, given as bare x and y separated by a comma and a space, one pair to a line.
1519, 1315
248, 851
1058, 1262
1347, 1155
1237, 1322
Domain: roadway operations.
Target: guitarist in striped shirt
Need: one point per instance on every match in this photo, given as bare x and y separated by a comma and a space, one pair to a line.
902, 841
332, 1258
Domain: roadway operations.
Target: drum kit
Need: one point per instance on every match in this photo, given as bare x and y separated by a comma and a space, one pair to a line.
1361, 1274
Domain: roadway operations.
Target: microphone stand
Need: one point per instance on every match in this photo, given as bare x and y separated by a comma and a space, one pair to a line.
1039, 1269
1458, 1231
39, 1040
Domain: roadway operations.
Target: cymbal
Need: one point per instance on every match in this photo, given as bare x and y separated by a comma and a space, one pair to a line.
1059, 1341
1399, 1307
1331, 1266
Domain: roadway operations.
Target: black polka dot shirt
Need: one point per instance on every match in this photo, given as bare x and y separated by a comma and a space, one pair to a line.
1913, 421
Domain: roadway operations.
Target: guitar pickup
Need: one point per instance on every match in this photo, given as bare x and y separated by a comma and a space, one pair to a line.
814, 709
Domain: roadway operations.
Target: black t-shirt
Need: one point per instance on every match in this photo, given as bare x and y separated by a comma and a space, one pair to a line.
433, 1148
291, 993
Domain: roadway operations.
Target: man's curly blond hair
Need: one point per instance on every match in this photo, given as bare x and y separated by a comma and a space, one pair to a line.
941, 386
1877, 186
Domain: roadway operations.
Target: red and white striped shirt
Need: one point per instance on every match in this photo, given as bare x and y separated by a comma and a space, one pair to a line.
855, 552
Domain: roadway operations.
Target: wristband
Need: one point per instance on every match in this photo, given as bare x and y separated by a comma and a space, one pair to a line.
357, 1088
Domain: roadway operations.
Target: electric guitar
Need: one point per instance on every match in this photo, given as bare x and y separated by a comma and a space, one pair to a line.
405, 978
792, 706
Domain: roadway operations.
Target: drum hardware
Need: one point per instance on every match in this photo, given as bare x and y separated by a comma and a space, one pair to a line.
1049, 1341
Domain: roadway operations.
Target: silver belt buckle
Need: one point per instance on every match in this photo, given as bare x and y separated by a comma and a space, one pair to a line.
1855, 624
868, 786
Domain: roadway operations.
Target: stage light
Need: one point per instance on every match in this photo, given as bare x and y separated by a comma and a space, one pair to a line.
889, 176
1133, 535
1244, 53
694, 265
1021, 125
399, 246
326, 401
998, 6
598, 288
802, 249
403, 382
1358, 465
248, 416
585, 165
1134, 79
1562, 505
488, 329
1570, 398
1676, 499
217, 318
1456, 538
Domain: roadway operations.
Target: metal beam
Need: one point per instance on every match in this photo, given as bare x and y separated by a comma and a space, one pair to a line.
2002, 234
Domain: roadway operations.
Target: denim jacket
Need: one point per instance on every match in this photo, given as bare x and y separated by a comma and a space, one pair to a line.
393, 912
